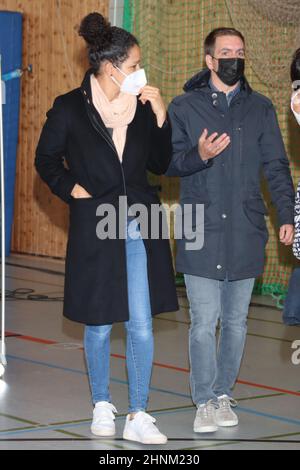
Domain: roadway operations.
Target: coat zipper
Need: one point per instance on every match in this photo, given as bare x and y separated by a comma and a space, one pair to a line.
108, 139
111, 144
102, 131
241, 143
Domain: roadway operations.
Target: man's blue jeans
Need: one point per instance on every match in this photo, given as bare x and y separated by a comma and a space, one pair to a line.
139, 353
214, 371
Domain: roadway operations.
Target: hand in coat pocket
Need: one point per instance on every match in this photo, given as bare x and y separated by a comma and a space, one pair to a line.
80, 193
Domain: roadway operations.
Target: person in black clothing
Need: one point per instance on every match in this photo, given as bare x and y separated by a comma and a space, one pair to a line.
110, 131
295, 77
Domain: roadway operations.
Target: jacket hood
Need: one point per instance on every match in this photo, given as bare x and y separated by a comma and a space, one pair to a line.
201, 80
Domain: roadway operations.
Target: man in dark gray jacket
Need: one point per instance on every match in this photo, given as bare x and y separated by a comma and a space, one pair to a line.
224, 136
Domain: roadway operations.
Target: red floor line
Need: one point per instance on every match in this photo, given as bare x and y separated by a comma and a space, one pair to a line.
266, 387
164, 366
37, 340
30, 338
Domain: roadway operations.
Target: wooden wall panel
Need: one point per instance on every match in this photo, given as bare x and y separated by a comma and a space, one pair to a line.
58, 56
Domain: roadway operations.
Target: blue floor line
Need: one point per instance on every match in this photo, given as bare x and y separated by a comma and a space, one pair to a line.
296, 422
242, 409
74, 425
158, 413
77, 371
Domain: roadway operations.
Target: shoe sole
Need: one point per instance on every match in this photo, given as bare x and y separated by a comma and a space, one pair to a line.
103, 433
206, 430
133, 438
230, 424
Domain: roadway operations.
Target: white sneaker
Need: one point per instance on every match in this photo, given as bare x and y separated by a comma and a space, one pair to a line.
103, 424
225, 416
205, 421
142, 429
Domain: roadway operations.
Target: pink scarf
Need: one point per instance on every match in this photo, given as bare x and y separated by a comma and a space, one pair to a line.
116, 114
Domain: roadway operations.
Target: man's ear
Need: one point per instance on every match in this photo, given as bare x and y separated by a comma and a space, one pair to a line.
209, 61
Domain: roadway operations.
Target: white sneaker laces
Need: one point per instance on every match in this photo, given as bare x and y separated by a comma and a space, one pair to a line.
147, 421
226, 403
207, 411
105, 411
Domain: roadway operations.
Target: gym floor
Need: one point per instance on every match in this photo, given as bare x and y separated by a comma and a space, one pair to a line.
45, 398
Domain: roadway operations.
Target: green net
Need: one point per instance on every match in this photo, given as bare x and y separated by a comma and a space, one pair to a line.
128, 15
171, 34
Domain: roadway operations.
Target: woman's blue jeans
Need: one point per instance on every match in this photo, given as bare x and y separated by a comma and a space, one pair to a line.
139, 350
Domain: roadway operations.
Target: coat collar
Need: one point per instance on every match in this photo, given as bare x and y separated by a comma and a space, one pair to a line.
95, 117
86, 85
200, 81
92, 112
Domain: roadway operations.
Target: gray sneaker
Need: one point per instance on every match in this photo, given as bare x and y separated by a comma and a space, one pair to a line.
226, 418
205, 421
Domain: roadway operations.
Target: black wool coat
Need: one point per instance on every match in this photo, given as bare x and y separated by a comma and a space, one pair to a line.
95, 291
229, 186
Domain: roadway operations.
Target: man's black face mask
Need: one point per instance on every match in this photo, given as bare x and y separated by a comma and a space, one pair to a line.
230, 70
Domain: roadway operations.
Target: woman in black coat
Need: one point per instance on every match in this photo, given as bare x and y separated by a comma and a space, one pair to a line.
291, 314
295, 76
295, 105
110, 131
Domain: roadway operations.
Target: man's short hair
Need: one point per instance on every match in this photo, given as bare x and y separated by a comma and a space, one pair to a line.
210, 41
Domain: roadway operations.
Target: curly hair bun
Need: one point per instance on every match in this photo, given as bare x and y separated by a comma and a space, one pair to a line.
96, 30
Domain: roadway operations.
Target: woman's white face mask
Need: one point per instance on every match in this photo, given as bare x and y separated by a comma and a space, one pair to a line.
295, 100
133, 83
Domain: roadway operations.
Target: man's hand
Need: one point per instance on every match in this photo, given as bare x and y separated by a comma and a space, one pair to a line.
79, 192
210, 147
287, 233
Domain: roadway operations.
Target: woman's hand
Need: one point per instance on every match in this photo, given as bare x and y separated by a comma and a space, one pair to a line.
79, 192
149, 93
